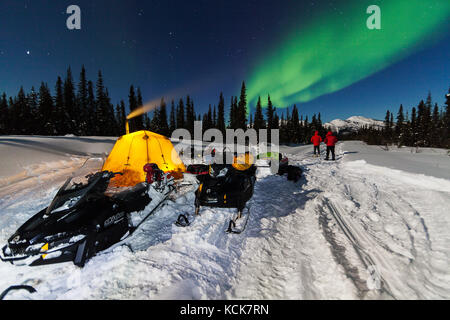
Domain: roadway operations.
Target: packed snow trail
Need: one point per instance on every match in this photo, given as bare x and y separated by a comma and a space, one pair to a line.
389, 216
346, 230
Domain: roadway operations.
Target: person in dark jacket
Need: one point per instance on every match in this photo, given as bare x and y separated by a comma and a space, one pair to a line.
330, 141
316, 140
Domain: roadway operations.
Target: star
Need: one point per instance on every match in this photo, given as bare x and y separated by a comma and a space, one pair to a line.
28, 52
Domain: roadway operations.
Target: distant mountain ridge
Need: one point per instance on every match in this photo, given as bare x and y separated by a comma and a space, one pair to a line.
353, 124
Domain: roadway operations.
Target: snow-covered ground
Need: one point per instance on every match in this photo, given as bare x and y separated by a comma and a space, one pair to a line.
372, 225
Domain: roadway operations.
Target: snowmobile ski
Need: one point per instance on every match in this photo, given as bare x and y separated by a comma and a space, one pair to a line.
30, 289
232, 228
182, 221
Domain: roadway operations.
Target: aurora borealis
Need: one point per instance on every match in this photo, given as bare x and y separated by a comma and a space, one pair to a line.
317, 54
335, 49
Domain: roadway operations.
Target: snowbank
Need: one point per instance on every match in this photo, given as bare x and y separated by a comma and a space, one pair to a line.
427, 161
24, 156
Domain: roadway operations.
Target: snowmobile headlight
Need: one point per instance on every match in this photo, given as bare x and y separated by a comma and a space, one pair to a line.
16, 238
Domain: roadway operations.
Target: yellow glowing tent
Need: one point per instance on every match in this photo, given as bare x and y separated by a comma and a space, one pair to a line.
132, 151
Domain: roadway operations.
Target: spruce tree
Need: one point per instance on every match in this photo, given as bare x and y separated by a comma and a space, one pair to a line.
21, 113
102, 108
82, 104
259, 117
270, 118
241, 116
204, 121
173, 123
314, 126
232, 122
147, 124
301, 129
436, 132
283, 136
209, 119
276, 121
295, 126
4, 115
399, 126
91, 106
269, 113
321, 129
180, 115
190, 115
164, 127
422, 124
221, 114
119, 119
111, 128
306, 127
154, 123
387, 127
70, 104
391, 124
446, 124
61, 117
34, 122
414, 127
427, 121
139, 120
123, 118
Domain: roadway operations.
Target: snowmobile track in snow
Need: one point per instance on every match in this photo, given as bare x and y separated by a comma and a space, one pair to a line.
362, 253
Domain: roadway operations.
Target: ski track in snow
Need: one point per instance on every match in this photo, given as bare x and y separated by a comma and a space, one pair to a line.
346, 230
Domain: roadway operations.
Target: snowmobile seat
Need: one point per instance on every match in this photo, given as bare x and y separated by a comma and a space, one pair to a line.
198, 169
125, 195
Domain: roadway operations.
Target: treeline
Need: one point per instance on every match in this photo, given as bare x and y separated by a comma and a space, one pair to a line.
79, 109
293, 127
426, 125
84, 109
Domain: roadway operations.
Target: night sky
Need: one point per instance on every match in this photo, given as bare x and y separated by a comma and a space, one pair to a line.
307, 52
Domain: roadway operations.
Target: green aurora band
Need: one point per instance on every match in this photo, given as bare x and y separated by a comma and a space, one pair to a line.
335, 50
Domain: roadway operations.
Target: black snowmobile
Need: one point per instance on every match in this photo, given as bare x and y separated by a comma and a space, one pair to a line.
224, 187
81, 221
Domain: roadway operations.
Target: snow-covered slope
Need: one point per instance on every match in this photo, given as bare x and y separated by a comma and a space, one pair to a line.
368, 226
23, 157
352, 124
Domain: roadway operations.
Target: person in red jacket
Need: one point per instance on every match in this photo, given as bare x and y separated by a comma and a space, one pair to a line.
330, 141
316, 140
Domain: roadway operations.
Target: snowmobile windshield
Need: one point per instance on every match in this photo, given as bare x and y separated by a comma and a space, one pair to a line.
72, 192
218, 171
